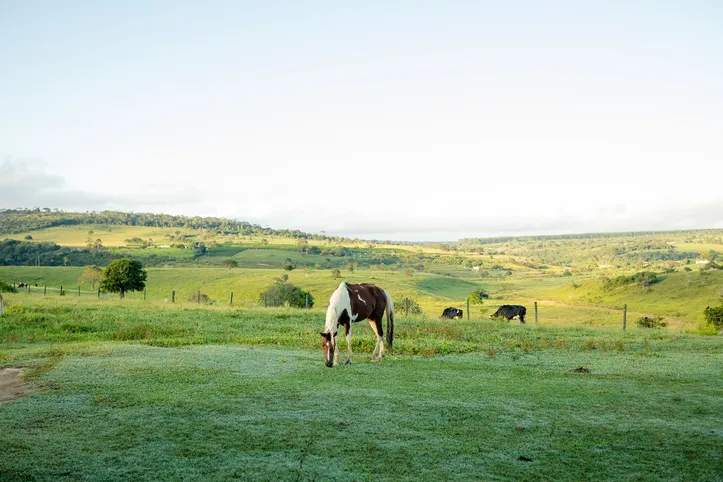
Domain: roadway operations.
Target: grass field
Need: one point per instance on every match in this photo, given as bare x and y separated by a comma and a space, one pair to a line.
148, 389
679, 297
147, 392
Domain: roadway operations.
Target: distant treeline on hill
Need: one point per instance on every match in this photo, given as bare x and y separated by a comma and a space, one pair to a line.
550, 237
24, 253
23, 220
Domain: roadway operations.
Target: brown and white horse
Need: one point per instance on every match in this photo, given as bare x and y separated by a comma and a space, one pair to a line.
351, 303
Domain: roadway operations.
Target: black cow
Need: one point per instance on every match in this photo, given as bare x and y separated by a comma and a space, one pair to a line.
22, 285
451, 313
510, 311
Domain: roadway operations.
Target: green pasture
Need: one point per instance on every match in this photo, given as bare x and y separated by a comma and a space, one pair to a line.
702, 248
111, 236
679, 297
133, 391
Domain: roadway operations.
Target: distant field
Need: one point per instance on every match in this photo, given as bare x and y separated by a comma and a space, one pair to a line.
680, 297
699, 248
111, 236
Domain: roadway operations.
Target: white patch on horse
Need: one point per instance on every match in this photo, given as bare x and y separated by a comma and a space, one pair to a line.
339, 302
360, 299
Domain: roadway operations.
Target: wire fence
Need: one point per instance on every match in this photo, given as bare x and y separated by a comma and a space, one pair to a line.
172, 296
552, 314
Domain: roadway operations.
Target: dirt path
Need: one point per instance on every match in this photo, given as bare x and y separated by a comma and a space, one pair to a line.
12, 385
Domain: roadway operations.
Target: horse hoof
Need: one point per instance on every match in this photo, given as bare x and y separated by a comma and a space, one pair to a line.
348, 362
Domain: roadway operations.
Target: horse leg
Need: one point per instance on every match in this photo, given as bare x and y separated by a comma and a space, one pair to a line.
379, 347
347, 327
336, 351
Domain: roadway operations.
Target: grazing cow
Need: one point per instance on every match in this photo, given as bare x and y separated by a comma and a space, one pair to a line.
451, 313
510, 311
22, 285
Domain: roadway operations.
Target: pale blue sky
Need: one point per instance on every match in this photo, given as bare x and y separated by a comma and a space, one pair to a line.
406, 120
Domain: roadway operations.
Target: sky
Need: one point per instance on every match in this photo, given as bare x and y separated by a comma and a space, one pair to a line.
403, 120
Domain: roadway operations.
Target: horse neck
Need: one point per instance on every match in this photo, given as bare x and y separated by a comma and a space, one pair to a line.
338, 302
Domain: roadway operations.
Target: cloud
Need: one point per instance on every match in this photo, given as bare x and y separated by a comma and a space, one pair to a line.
608, 218
27, 183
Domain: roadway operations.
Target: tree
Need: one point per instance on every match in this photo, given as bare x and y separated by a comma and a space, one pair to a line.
280, 293
92, 274
302, 245
28, 237
335, 273
123, 275
288, 264
230, 263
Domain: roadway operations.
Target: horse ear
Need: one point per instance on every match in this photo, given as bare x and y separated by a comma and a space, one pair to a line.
325, 335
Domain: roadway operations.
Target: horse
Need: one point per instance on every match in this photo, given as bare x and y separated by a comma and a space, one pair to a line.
352, 303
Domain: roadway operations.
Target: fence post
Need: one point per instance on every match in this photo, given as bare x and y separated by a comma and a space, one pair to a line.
264, 300
98, 292
231, 302
307, 301
625, 317
61, 289
45, 289
198, 295
173, 296
78, 290
2, 306
144, 294
27, 288
406, 302
467, 309
536, 322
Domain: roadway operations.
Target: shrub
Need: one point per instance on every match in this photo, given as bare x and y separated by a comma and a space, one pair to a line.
651, 322
400, 304
335, 273
7, 288
643, 278
204, 298
286, 294
714, 316
477, 297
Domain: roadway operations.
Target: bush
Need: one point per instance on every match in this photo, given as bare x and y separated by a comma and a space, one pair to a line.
204, 298
335, 273
400, 305
477, 297
643, 279
652, 322
7, 288
714, 316
285, 294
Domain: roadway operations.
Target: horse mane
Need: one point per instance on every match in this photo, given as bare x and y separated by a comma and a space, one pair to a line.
338, 302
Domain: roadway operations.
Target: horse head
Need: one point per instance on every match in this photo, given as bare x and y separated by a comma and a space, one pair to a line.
328, 345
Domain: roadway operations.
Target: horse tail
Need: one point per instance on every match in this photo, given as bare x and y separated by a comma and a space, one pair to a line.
390, 321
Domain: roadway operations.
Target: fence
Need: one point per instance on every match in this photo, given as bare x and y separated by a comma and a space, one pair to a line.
173, 296
230, 299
